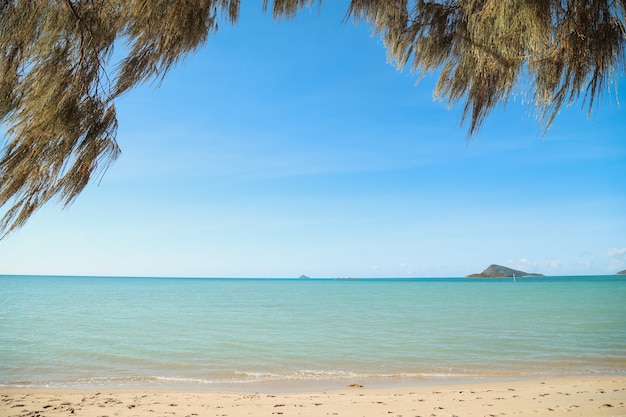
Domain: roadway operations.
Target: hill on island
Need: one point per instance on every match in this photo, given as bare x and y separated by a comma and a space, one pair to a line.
499, 271
621, 272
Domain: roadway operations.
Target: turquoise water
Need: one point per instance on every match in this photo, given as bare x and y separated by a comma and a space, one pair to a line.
88, 331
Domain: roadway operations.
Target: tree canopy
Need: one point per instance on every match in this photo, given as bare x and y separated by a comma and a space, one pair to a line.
58, 85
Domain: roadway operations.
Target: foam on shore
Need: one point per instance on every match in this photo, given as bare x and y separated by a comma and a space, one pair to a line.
590, 396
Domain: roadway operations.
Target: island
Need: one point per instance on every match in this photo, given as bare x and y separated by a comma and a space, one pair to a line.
303, 277
499, 271
621, 272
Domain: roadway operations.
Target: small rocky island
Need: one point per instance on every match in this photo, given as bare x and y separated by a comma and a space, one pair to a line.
498, 271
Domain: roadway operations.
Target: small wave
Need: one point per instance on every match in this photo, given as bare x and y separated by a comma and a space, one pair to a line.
307, 378
307, 375
182, 380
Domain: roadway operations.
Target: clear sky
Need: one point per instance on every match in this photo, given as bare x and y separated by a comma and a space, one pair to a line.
290, 148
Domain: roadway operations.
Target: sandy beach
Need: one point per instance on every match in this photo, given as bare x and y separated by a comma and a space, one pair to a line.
598, 396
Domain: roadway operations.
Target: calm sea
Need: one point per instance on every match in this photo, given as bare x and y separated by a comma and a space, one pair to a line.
251, 333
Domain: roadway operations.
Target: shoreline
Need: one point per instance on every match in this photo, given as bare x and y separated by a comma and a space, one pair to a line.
561, 396
297, 385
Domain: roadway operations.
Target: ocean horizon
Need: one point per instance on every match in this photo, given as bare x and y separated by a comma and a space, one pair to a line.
245, 333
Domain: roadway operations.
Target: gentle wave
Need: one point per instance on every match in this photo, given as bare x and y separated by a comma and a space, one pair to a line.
167, 332
240, 380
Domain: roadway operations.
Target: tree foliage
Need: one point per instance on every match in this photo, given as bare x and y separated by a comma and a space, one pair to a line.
58, 87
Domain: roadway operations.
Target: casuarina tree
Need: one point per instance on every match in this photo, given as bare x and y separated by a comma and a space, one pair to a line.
58, 85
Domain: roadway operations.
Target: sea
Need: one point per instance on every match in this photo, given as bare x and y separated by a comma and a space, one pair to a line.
299, 334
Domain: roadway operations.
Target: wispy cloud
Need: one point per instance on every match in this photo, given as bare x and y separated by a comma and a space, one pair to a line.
409, 269
554, 263
616, 251
524, 264
617, 259
530, 265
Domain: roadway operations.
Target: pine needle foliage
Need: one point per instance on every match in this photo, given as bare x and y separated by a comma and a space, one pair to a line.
487, 51
58, 87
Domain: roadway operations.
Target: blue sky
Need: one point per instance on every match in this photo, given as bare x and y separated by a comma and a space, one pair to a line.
289, 148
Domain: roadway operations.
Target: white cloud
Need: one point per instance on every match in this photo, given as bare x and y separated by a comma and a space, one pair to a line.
407, 268
616, 251
525, 263
617, 260
555, 263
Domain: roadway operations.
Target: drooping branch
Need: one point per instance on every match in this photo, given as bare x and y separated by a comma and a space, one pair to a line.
58, 88
485, 49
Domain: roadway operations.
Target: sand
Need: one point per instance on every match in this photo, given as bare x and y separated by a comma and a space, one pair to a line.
601, 396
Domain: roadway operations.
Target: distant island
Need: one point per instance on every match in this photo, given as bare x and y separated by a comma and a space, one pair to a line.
621, 272
303, 277
498, 271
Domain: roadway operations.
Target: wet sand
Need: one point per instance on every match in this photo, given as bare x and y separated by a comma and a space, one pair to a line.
596, 396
